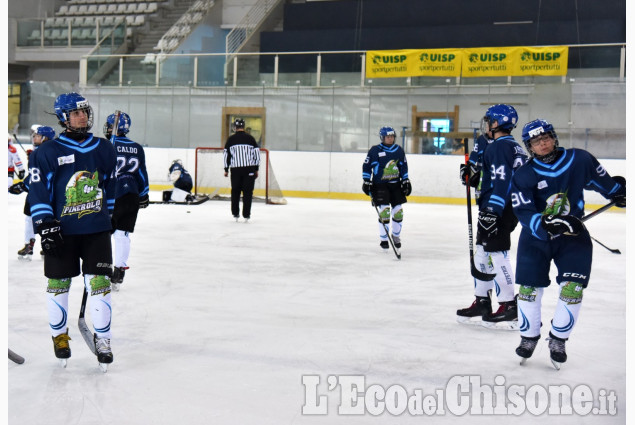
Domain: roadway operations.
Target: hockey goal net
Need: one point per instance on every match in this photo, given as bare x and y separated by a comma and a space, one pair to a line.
210, 178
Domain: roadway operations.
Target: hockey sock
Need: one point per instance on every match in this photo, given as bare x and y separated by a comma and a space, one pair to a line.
503, 282
397, 218
57, 304
98, 287
384, 221
529, 304
482, 262
28, 229
567, 309
122, 248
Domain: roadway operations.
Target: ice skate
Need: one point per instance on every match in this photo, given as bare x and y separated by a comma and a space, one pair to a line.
397, 241
527, 347
247, 219
104, 353
26, 253
384, 245
505, 318
236, 218
557, 350
62, 348
473, 314
117, 277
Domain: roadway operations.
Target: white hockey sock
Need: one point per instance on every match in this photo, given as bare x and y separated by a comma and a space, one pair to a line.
481, 261
529, 304
122, 248
28, 229
567, 309
503, 282
99, 289
57, 304
384, 211
397, 218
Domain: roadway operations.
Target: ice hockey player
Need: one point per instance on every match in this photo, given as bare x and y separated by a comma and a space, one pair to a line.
182, 181
385, 175
42, 134
548, 199
472, 170
15, 163
496, 221
241, 155
131, 193
70, 206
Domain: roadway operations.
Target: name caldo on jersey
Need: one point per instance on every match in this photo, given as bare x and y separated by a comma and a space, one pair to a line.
126, 149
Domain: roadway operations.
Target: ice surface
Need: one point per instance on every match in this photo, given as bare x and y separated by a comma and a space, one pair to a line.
217, 321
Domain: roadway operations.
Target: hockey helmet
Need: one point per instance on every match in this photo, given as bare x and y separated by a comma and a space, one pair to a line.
69, 102
239, 123
505, 115
386, 131
123, 126
534, 129
46, 131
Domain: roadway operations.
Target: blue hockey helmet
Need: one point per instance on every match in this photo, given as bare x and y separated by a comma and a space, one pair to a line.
46, 131
534, 129
123, 126
69, 102
386, 131
505, 116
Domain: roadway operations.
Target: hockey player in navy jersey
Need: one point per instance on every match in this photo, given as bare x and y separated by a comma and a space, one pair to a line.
41, 135
131, 191
472, 170
496, 221
385, 174
182, 181
548, 199
71, 197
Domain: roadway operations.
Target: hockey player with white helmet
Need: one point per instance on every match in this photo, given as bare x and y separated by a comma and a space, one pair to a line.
496, 221
385, 175
548, 199
71, 197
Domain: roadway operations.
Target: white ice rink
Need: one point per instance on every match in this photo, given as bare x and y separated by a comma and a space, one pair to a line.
217, 322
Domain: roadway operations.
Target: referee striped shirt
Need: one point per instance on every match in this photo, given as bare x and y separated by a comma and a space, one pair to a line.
241, 150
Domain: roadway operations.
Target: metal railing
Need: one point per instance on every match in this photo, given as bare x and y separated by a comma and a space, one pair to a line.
239, 35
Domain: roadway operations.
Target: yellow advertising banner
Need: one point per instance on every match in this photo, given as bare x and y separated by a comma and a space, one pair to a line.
488, 62
553, 60
390, 63
438, 63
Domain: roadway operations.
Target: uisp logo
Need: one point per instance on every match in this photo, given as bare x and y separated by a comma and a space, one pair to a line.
387, 59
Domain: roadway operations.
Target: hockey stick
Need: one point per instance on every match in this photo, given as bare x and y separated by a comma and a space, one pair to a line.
15, 136
16, 358
83, 327
395, 250
473, 270
115, 126
593, 214
613, 250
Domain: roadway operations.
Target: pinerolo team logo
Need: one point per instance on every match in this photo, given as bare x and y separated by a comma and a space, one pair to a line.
558, 203
83, 195
391, 171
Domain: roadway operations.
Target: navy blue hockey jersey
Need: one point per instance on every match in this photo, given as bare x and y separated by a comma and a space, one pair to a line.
71, 181
501, 158
131, 174
539, 189
385, 164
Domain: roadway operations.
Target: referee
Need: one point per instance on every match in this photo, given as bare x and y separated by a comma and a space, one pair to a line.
242, 155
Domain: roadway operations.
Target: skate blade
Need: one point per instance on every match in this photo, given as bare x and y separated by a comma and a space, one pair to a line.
556, 364
523, 361
470, 321
501, 326
103, 367
25, 257
115, 287
63, 363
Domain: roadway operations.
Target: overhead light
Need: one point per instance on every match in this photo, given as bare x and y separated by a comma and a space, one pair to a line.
513, 23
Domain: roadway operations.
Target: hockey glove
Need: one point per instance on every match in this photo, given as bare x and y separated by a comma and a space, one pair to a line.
18, 188
51, 233
21, 174
367, 186
567, 225
471, 173
488, 223
406, 187
144, 201
620, 196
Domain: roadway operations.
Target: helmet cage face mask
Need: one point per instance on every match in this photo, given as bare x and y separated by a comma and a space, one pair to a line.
67, 103
533, 132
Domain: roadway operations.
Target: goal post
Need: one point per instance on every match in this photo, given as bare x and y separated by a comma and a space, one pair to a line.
209, 177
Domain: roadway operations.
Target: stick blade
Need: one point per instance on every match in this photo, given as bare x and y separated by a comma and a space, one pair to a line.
86, 334
15, 357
